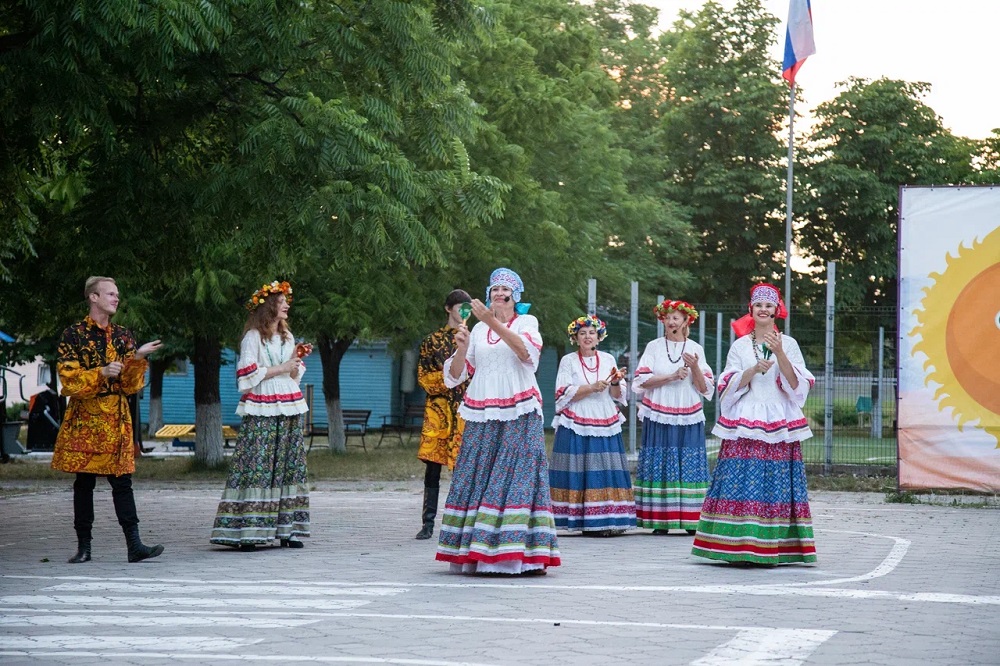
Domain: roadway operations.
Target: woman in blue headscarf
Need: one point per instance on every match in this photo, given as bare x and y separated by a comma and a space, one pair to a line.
498, 516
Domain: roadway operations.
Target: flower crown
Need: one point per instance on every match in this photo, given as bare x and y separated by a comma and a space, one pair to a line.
261, 294
661, 310
582, 322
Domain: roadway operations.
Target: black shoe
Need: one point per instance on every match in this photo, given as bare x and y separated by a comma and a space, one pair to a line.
661, 532
247, 547
137, 551
426, 532
288, 543
82, 552
692, 532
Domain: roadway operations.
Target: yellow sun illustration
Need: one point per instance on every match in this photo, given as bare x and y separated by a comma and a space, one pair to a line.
959, 331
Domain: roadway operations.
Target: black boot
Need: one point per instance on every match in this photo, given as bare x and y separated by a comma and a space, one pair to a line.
82, 550
83, 515
137, 551
430, 512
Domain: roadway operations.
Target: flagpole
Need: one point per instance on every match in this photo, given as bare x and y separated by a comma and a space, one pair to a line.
788, 208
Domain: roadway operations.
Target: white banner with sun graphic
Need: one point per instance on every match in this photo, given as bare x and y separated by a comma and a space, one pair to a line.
949, 338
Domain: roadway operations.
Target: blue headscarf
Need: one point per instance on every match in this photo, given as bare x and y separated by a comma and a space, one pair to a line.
504, 277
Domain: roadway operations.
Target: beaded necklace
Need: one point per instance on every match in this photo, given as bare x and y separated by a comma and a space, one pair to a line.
763, 348
596, 369
679, 356
281, 351
489, 332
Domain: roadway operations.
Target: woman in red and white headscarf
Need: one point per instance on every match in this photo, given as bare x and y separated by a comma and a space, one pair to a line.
757, 508
671, 382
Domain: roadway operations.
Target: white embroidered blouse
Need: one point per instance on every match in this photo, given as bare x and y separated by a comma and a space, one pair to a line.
677, 402
503, 387
767, 409
596, 414
276, 396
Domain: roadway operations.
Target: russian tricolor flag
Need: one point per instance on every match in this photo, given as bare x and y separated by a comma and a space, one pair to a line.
799, 43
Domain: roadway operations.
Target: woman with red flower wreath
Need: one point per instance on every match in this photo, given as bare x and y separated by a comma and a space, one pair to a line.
498, 515
671, 381
588, 472
757, 509
267, 493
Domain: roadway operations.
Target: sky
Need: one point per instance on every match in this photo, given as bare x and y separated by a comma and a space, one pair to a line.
953, 45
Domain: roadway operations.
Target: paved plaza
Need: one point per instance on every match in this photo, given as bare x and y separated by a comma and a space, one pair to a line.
895, 584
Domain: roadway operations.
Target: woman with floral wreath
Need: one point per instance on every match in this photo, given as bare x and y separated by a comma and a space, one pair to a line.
671, 381
588, 474
757, 509
266, 496
498, 515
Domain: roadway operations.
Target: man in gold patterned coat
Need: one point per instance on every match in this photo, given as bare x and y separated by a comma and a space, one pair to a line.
441, 435
99, 367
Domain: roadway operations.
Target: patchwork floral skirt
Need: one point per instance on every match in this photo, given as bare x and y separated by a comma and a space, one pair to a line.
267, 493
498, 515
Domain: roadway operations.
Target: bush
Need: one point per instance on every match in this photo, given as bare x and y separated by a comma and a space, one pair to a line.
844, 415
14, 411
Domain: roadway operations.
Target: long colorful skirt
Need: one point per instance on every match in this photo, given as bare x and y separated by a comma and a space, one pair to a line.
498, 515
757, 509
267, 493
671, 476
590, 483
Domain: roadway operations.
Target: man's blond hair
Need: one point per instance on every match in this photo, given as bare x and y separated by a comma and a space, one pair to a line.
90, 286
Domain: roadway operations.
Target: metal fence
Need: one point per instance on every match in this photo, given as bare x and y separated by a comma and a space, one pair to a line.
860, 393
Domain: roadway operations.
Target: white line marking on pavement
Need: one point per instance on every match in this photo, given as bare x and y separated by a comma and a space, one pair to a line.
886, 566
92, 619
129, 602
172, 588
84, 642
281, 659
770, 647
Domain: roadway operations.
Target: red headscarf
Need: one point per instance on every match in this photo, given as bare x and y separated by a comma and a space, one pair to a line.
760, 293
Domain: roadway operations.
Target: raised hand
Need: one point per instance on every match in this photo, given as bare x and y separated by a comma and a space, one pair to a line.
773, 342
482, 313
147, 349
462, 337
691, 360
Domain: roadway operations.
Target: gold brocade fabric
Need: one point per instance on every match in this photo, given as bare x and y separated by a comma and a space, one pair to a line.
96, 433
441, 435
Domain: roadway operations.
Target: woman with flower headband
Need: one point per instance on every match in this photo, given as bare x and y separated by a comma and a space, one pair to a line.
498, 515
267, 494
589, 477
671, 381
757, 508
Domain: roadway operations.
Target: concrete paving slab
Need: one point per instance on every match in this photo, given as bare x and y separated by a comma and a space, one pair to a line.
895, 584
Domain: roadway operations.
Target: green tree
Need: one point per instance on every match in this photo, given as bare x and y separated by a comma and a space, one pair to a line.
874, 137
721, 116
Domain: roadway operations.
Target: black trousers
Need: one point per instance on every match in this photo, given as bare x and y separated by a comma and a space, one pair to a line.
83, 502
432, 474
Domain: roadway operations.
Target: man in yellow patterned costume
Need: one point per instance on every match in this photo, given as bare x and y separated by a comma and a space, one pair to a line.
99, 366
441, 435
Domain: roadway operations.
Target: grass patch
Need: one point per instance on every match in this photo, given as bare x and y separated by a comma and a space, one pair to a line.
901, 497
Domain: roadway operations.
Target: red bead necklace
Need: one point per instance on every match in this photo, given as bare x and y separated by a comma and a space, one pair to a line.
596, 369
489, 332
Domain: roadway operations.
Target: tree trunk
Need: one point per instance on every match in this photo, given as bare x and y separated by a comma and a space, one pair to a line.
331, 352
207, 401
157, 368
